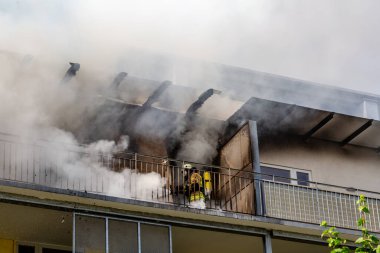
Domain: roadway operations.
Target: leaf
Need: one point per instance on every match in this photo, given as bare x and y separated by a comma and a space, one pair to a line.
360, 222
359, 240
325, 232
378, 249
363, 209
323, 224
335, 233
374, 239
341, 250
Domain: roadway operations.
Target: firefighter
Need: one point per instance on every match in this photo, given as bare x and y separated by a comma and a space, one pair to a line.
194, 188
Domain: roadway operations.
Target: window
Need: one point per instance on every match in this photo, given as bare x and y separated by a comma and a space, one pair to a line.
285, 175
302, 178
49, 250
25, 249
275, 174
92, 232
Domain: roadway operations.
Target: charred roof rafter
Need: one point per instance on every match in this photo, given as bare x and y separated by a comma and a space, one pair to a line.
175, 140
71, 72
322, 123
194, 107
118, 79
357, 132
156, 94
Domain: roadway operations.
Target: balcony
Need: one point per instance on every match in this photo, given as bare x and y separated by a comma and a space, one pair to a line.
163, 180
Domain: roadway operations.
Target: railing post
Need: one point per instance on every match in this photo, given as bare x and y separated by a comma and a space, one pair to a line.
230, 186
267, 243
74, 231
136, 162
258, 196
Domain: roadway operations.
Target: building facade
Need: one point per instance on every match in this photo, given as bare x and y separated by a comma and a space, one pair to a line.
276, 171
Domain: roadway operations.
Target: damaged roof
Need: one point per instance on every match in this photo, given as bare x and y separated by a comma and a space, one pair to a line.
276, 118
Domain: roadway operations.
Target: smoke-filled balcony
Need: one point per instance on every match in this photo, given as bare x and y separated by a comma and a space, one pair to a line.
166, 181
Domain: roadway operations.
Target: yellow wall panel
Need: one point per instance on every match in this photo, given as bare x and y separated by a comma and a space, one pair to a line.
6, 246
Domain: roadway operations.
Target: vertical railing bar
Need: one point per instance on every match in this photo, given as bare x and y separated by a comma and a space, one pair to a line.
170, 240
270, 197
313, 204
356, 212
107, 238
346, 213
230, 186
327, 207
324, 217
299, 203
124, 187
15, 162
240, 192
377, 211
4, 166
350, 206
74, 232
10, 161
184, 184
139, 236
294, 211
219, 191
369, 216
27, 167
338, 209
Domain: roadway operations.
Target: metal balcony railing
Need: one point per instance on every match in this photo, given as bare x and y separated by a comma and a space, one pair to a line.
163, 180
319, 202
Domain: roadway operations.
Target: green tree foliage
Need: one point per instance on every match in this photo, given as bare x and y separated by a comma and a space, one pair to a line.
367, 243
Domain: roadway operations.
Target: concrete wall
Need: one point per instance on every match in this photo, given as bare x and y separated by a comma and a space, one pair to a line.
34, 225
329, 163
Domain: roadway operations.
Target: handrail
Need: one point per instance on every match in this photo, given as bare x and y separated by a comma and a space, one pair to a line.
252, 173
232, 189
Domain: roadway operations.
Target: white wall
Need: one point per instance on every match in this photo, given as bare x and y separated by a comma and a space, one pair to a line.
328, 162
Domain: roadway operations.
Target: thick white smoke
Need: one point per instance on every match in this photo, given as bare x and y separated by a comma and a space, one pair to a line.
37, 115
334, 43
39, 38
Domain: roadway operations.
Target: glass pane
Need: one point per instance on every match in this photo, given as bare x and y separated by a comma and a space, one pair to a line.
154, 239
302, 178
274, 174
122, 236
47, 250
90, 234
189, 240
285, 246
25, 249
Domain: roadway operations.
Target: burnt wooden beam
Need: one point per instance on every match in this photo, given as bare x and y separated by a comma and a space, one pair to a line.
118, 79
71, 72
357, 132
318, 126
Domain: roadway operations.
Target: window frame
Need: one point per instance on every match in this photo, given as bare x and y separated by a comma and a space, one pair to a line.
39, 246
107, 218
293, 172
